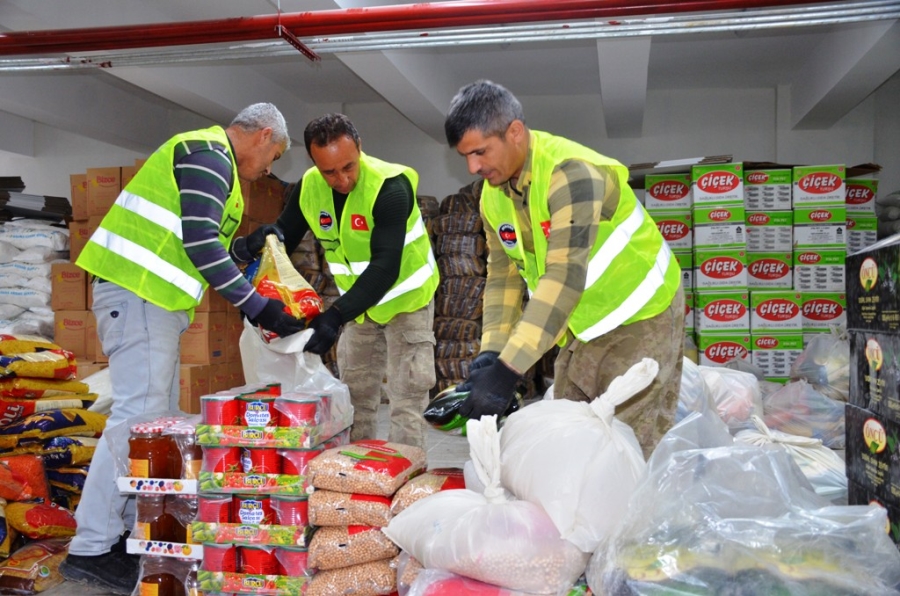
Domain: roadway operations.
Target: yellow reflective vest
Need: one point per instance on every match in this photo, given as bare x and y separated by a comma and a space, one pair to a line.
632, 274
347, 243
139, 243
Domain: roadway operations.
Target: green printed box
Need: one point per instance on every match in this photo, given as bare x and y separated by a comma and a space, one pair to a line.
667, 191
686, 262
823, 227
721, 184
862, 231
775, 354
716, 349
676, 227
820, 270
818, 185
770, 231
720, 269
767, 189
860, 195
719, 226
770, 270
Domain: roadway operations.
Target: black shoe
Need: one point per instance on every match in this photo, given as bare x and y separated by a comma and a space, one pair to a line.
115, 570
122, 545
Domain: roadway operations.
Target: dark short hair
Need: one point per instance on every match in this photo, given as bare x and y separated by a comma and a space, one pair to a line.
327, 129
484, 106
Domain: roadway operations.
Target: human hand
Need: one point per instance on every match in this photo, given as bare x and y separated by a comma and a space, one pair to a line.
326, 327
483, 360
492, 391
245, 249
273, 318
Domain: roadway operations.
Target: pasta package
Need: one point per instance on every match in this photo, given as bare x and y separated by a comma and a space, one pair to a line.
55, 423
41, 520
277, 278
46, 364
8, 535
20, 344
13, 409
36, 388
23, 478
33, 568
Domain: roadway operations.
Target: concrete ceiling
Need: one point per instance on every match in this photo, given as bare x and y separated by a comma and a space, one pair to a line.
830, 68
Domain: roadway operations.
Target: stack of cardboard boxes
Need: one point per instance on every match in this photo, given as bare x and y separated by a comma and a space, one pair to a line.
873, 412
210, 352
762, 249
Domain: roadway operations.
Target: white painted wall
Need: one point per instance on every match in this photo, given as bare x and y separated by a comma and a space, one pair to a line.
750, 125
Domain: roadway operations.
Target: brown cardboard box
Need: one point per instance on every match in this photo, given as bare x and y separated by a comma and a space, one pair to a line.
204, 340
92, 341
265, 201
70, 331
103, 186
79, 233
212, 302
86, 369
78, 196
236, 374
234, 326
219, 377
68, 287
128, 173
193, 381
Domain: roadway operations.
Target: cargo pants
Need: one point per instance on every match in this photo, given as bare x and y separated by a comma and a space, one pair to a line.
402, 351
583, 371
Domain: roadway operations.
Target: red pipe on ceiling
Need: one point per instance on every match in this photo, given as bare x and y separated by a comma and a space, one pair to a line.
323, 23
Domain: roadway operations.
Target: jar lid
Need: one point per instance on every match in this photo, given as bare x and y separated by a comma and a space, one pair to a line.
147, 428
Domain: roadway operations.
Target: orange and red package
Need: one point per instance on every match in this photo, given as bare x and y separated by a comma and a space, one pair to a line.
23, 478
276, 278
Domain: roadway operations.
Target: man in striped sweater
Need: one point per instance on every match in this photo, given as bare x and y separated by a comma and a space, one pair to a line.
162, 244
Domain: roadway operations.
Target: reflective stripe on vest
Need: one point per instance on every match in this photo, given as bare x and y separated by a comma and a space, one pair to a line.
139, 244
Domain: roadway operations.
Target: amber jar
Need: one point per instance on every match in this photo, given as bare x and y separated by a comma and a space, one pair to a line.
152, 520
148, 451
156, 579
185, 455
183, 510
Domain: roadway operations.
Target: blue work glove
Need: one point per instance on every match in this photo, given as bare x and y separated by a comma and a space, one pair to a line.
245, 249
326, 327
493, 389
483, 360
273, 318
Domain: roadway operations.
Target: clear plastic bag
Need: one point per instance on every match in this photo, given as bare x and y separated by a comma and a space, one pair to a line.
824, 468
825, 364
575, 459
508, 543
799, 409
740, 519
694, 394
736, 395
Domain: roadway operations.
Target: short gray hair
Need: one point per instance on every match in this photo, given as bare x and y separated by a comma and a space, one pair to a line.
264, 115
484, 106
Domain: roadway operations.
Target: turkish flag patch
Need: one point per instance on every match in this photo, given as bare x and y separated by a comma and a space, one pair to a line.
358, 222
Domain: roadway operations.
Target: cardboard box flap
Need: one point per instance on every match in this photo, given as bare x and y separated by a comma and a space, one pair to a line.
637, 172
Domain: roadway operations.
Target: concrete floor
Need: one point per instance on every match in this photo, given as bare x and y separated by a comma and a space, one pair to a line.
443, 451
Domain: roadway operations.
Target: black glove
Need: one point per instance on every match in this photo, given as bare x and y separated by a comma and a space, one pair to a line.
273, 318
493, 389
483, 360
326, 327
245, 249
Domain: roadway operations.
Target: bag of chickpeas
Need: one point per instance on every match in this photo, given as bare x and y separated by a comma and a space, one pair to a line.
369, 467
343, 546
367, 579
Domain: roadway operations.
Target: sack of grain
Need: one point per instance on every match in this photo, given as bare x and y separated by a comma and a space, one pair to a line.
457, 223
368, 579
471, 244
453, 328
489, 537
455, 348
455, 305
456, 264
471, 286
331, 508
342, 546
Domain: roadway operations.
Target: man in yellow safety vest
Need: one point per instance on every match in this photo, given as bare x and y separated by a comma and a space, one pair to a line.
563, 224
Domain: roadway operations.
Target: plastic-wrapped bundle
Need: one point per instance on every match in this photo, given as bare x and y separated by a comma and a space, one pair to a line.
453, 348
453, 328
467, 244
714, 517
453, 305
471, 286
457, 264
457, 223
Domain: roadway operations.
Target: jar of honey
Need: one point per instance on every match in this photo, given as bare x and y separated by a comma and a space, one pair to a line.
148, 451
